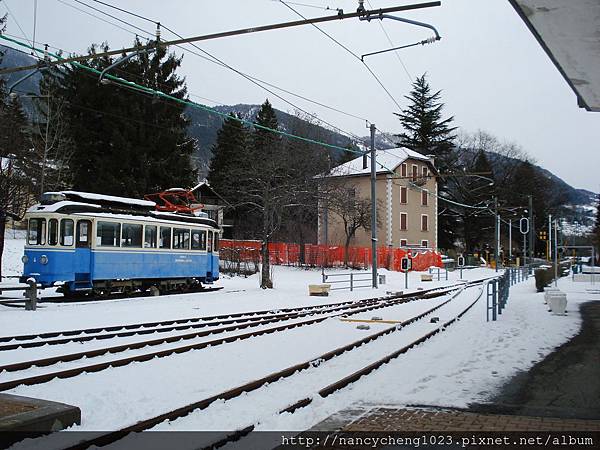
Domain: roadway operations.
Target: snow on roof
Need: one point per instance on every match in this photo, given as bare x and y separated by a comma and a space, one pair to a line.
386, 160
110, 198
56, 206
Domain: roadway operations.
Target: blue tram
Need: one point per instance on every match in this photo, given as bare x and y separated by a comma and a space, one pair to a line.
86, 243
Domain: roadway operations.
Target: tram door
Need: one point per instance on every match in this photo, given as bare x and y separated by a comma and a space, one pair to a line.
83, 257
209, 248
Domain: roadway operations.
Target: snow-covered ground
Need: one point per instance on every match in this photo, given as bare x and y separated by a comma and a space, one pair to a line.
466, 363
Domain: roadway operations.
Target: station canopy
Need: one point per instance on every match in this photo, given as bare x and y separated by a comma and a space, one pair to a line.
569, 32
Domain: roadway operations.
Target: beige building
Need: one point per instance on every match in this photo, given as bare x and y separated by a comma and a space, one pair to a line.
406, 199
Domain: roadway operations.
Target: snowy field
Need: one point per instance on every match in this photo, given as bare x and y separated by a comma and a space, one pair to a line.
466, 363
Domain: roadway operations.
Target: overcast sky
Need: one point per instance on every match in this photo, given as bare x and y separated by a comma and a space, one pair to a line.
493, 74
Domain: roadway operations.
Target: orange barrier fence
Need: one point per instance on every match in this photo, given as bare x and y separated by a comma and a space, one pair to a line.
281, 253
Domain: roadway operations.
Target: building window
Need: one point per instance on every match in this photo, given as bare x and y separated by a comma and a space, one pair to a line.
424, 172
403, 170
403, 221
403, 242
424, 197
403, 195
425, 244
424, 222
415, 172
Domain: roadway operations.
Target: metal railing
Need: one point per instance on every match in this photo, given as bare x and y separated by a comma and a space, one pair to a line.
349, 279
498, 290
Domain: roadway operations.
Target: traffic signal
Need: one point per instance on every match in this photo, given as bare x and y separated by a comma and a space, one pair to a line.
406, 264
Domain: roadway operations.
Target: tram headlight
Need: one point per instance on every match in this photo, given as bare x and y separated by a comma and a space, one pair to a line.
44, 259
25, 259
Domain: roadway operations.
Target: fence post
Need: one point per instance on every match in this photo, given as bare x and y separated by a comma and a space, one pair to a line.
351, 281
31, 303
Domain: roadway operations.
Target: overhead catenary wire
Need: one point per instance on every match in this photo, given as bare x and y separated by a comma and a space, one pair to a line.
147, 90
389, 39
16, 22
213, 59
373, 74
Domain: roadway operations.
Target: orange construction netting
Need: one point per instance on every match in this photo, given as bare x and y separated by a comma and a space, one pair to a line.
282, 253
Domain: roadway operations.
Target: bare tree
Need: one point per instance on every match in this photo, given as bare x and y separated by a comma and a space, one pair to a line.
353, 211
51, 143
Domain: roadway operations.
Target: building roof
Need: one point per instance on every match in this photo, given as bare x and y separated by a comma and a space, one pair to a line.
568, 32
387, 161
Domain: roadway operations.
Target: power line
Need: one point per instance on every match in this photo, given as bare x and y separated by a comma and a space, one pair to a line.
392, 44
96, 17
276, 26
250, 78
17, 22
350, 52
150, 91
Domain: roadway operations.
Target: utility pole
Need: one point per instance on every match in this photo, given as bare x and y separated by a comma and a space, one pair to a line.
531, 229
510, 239
556, 252
549, 241
373, 209
496, 240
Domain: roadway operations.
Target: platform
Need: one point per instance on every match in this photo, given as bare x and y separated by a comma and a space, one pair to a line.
21, 417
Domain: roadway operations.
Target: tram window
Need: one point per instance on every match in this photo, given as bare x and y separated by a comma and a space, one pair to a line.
165, 237
36, 234
66, 232
198, 240
108, 234
210, 241
131, 235
181, 238
53, 231
150, 236
216, 244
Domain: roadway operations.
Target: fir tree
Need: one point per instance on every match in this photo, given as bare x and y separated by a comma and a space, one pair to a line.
426, 132
127, 143
228, 156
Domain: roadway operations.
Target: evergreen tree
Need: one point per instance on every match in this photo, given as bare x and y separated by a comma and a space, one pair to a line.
14, 182
228, 156
127, 143
427, 132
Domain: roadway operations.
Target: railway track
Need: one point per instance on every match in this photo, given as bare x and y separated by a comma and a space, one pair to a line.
354, 308
86, 334
325, 391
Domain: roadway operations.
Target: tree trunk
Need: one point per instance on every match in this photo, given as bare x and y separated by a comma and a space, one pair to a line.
347, 250
265, 274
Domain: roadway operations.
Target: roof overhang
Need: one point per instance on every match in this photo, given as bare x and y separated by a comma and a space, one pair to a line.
568, 31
